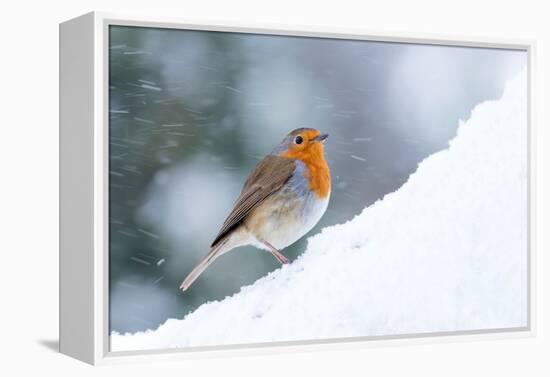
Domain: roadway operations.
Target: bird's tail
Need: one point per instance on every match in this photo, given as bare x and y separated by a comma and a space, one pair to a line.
214, 252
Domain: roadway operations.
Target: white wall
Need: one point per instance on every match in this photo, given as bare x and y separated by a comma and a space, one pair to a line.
28, 158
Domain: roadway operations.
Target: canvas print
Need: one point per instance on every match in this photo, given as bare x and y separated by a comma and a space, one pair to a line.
267, 189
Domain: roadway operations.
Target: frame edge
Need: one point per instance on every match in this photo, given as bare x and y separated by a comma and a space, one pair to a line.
76, 190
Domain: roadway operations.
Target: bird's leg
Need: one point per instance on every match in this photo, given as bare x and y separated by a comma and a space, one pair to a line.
276, 253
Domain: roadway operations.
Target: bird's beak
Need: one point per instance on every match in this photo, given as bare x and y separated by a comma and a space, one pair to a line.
320, 138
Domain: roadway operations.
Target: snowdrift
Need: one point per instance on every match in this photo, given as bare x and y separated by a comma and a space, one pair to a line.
445, 252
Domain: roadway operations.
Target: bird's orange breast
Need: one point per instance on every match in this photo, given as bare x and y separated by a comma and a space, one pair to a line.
317, 170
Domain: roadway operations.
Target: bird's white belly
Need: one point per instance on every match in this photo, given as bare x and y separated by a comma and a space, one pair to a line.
282, 225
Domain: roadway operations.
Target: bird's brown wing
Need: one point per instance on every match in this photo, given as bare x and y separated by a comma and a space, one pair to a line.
269, 175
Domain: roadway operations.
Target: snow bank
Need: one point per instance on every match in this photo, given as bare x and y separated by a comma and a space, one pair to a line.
446, 252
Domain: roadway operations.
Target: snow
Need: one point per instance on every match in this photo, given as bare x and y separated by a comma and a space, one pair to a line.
445, 252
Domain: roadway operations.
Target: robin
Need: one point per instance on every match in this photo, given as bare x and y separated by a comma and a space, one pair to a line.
283, 198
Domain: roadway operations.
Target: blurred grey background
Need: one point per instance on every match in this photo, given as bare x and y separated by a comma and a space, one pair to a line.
192, 112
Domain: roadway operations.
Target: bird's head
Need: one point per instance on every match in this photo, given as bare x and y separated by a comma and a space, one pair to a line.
304, 144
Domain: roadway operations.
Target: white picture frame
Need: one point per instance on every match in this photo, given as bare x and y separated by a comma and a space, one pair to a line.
84, 189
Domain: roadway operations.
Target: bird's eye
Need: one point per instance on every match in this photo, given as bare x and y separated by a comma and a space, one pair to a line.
299, 139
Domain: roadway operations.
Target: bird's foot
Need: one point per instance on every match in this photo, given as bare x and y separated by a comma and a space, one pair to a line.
280, 257
276, 253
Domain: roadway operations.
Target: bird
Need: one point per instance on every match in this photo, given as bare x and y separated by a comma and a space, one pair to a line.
283, 198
